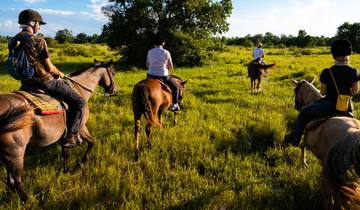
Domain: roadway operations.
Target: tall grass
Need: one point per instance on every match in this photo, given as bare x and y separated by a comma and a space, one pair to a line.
224, 152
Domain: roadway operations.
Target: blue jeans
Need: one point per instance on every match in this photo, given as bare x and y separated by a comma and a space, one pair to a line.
320, 108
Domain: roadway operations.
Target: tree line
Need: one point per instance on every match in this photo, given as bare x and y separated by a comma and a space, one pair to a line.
346, 31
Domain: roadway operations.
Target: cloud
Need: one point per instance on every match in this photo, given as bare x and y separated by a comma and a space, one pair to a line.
33, 1
316, 17
96, 6
9, 25
56, 12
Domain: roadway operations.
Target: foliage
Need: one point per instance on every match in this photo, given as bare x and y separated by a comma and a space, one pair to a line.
189, 22
270, 40
350, 32
64, 35
223, 154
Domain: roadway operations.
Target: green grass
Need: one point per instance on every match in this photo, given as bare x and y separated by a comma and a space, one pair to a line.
224, 152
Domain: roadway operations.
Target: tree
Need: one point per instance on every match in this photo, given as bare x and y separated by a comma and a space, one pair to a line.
187, 25
81, 38
64, 35
350, 32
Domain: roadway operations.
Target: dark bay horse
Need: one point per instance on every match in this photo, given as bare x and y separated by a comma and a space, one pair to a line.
257, 71
336, 143
20, 127
151, 98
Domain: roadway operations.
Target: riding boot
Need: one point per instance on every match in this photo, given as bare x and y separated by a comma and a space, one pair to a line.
70, 140
174, 107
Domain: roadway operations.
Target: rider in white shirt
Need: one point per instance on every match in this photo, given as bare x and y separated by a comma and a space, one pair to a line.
258, 54
159, 63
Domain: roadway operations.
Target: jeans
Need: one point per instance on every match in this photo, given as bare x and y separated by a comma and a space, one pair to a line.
59, 89
320, 108
172, 84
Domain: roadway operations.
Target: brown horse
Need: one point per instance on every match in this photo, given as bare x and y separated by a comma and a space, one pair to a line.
20, 126
257, 72
151, 97
336, 143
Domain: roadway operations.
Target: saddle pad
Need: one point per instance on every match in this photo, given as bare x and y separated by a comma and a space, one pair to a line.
43, 104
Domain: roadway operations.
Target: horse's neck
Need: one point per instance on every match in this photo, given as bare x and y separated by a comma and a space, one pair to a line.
311, 95
88, 80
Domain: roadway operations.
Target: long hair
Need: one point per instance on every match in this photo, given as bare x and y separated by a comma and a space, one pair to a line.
16, 118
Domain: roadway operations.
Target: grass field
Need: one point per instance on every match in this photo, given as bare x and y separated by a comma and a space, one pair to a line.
223, 154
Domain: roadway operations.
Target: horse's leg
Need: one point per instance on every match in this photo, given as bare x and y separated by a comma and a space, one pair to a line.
66, 155
85, 135
252, 86
159, 116
303, 158
137, 116
175, 118
326, 193
15, 164
148, 131
258, 85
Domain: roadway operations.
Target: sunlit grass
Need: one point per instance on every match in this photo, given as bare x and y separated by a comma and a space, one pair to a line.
224, 152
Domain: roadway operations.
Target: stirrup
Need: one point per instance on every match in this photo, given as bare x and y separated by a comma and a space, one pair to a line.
174, 107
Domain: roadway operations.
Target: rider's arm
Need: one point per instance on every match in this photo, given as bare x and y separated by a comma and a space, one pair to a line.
323, 89
354, 88
49, 66
169, 63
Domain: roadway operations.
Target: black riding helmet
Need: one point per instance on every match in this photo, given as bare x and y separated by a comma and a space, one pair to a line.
28, 15
341, 47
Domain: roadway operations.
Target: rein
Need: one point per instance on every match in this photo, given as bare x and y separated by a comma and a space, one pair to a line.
78, 83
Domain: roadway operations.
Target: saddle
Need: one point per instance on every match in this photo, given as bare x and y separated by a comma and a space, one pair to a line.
42, 103
164, 86
312, 125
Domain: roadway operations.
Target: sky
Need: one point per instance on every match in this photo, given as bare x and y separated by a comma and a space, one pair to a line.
316, 17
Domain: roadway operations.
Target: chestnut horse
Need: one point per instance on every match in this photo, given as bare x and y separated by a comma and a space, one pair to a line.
20, 126
151, 97
336, 143
257, 72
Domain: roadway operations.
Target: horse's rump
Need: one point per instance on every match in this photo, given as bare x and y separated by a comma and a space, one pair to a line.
342, 168
141, 100
16, 118
164, 86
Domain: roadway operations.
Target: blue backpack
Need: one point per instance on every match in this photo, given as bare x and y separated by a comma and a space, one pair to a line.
17, 64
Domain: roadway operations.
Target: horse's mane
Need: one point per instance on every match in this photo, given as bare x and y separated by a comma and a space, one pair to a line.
342, 168
80, 71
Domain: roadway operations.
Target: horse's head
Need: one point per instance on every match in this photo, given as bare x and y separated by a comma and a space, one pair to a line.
305, 93
107, 77
182, 87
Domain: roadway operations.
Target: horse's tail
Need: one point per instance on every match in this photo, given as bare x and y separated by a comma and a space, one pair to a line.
342, 169
142, 104
16, 118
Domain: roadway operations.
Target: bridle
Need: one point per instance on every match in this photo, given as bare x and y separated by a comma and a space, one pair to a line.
298, 104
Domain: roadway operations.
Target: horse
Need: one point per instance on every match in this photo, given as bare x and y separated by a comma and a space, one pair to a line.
335, 141
257, 71
151, 97
20, 126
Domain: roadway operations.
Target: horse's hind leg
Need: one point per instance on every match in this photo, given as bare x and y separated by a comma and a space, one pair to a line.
137, 134
148, 131
85, 134
14, 165
175, 118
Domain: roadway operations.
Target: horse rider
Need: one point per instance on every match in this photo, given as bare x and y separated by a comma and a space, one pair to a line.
47, 77
259, 54
339, 79
159, 63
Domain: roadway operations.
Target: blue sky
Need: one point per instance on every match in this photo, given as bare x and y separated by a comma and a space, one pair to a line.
316, 17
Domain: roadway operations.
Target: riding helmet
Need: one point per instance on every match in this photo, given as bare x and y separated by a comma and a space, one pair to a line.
28, 15
341, 47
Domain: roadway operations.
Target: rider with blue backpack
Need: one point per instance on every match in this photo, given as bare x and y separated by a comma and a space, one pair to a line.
29, 61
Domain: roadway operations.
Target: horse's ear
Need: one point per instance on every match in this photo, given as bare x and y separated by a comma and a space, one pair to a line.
110, 63
295, 82
312, 80
183, 82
